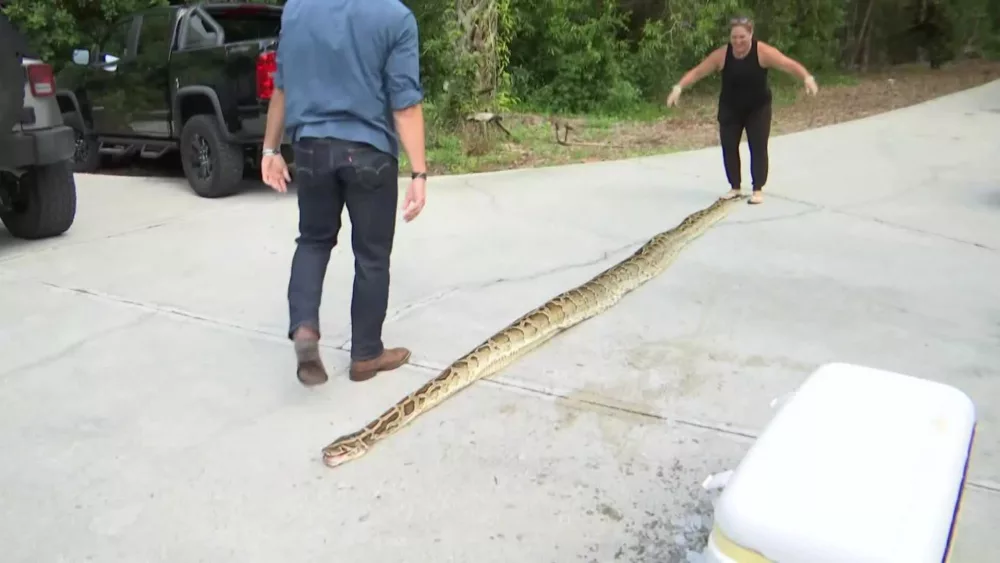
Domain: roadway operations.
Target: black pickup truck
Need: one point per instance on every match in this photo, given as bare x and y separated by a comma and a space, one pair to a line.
193, 78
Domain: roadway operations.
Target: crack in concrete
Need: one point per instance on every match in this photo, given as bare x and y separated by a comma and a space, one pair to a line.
516, 385
925, 233
508, 383
490, 196
59, 244
772, 219
162, 309
496, 381
501, 382
927, 183
77, 344
405, 309
392, 316
35, 250
985, 486
504, 383
855, 215
400, 312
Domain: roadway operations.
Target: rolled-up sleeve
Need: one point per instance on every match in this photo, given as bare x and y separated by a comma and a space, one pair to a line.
279, 80
403, 66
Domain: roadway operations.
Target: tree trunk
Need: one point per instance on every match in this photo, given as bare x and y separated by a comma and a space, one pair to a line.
478, 20
864, 36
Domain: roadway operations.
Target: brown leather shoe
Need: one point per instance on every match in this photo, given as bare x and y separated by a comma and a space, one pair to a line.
311, 373
390, 359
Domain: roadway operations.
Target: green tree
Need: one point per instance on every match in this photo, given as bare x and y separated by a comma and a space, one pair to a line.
599, 55
56, 27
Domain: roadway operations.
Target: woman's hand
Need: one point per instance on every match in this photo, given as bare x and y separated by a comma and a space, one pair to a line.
675, 94
811, 87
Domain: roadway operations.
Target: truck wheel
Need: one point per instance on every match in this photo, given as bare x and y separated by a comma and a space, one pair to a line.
87, 157
213, 167
11, 87
44, 203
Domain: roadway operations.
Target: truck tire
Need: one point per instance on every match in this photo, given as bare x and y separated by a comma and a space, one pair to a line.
44, 204
11, 86
213, 167
87, 157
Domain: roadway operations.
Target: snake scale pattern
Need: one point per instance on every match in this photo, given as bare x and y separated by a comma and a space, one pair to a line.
530, 331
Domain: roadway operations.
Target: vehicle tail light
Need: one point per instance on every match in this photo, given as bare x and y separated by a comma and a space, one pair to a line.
267, 65
41, 79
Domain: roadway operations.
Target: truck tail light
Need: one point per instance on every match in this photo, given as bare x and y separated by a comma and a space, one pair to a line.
42, 81
267, 65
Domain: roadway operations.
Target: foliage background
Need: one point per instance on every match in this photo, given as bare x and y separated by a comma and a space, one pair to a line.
602, 56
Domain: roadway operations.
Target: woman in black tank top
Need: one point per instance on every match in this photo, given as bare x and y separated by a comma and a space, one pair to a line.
745, 99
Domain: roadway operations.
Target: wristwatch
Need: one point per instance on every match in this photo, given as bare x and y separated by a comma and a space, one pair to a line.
415, 175
269, 152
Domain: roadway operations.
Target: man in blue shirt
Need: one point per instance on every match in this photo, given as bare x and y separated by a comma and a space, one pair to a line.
347, 80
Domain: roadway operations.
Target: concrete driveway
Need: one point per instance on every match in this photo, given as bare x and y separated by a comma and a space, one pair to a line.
149, 409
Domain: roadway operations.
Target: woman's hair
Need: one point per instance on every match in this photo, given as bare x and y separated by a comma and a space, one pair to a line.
742, 21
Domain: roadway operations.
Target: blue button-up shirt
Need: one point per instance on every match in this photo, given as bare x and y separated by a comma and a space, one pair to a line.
345, 66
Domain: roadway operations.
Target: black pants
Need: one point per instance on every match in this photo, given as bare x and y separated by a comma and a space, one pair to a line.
329, 174
757, 123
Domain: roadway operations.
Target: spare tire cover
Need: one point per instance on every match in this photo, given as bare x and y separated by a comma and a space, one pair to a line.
13, 46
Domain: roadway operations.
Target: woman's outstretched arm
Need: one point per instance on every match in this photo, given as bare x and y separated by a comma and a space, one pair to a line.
771, 57
712, 63
709, 64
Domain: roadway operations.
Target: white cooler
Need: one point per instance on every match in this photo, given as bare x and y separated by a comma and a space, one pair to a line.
859, 466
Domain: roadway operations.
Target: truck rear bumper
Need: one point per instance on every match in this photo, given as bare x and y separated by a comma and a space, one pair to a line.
37, 148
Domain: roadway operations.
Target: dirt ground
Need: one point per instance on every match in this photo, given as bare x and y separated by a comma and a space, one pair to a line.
693, 124
874, 93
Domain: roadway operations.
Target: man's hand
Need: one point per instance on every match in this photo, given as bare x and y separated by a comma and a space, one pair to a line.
274, 172
416, 196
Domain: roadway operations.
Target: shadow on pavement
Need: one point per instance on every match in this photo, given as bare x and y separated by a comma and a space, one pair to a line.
993, 197
167, 167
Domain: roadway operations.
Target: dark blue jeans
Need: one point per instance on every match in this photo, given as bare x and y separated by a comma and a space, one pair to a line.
331, 173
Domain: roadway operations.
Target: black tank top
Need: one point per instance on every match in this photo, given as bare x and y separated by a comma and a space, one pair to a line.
744, 81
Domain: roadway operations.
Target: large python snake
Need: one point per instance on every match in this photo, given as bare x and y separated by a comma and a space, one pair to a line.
531, 330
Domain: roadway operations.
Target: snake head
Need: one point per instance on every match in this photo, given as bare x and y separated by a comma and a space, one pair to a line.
344, 449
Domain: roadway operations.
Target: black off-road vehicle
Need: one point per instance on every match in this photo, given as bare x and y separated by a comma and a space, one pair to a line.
37, 188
